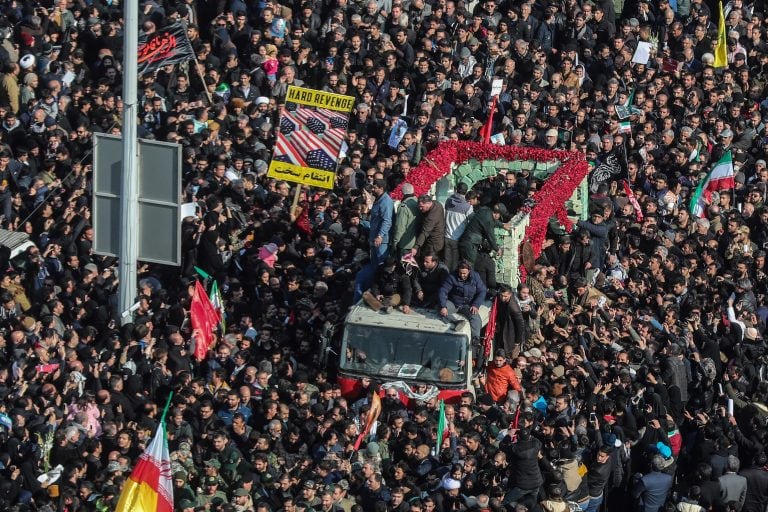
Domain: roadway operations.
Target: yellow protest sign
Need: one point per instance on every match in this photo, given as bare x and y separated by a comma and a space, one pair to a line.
320, 99
313, 126
303, 175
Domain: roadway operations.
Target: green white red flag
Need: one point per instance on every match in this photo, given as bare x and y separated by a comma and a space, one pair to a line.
150, 486
370, 419
721, 177
218, 304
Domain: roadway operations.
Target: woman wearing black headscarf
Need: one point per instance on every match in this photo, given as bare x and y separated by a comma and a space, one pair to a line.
208, 255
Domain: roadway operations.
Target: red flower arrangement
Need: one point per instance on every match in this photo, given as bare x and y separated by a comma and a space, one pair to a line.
549, 199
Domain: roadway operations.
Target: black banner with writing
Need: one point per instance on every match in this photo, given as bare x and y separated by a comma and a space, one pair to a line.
612, 167
169, 45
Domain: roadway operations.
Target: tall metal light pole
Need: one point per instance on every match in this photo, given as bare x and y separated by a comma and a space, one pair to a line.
129, 203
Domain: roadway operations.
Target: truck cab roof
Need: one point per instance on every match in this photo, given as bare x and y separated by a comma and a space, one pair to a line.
418, 348
16, 241
418, 319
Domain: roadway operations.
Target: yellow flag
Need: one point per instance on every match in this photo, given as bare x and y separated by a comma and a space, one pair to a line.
721, 50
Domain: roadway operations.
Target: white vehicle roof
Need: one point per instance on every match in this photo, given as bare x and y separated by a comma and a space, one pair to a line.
17, 241
417, 320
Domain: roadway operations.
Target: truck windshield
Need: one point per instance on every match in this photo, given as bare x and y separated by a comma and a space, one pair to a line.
398, 354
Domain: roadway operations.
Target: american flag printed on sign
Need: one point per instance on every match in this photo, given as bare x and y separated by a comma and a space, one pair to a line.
319, 159
339, 122
316, 126
310, 136
287, 125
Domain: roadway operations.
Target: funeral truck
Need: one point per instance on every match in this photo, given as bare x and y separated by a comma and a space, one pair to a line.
418, 348
421, 348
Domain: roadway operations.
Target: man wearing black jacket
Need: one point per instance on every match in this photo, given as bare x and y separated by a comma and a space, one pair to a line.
390, 289
756, 499
479, 230
510, 326
603, 473
428, 280
525, 477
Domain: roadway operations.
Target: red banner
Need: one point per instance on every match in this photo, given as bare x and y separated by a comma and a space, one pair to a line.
204, 320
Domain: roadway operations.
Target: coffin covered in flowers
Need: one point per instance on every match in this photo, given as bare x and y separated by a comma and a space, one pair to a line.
454, 161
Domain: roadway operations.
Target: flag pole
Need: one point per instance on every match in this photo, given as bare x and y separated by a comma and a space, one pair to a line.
202, 80
129, 199
202, 273
296, 197
200, 73
167, 406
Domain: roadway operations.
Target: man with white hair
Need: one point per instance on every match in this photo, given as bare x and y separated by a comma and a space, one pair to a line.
702, 230
287, 79
734, 46
362, 121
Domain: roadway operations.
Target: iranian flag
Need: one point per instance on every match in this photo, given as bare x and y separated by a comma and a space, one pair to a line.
370, 419
696, 153
625, 127
150, 486
218, 304
719, 178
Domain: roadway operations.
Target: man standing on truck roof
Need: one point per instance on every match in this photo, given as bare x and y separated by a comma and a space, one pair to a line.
406, 222
481, 229
510, 324
463, 293
381, 222
458, 209
431, 236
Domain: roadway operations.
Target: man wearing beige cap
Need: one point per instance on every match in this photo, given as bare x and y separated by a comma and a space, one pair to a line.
242, 500
550, 138
406, 222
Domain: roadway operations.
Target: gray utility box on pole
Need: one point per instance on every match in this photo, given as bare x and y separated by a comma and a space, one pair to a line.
159, 222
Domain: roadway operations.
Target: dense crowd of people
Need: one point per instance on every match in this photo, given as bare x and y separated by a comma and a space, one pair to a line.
628, 367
